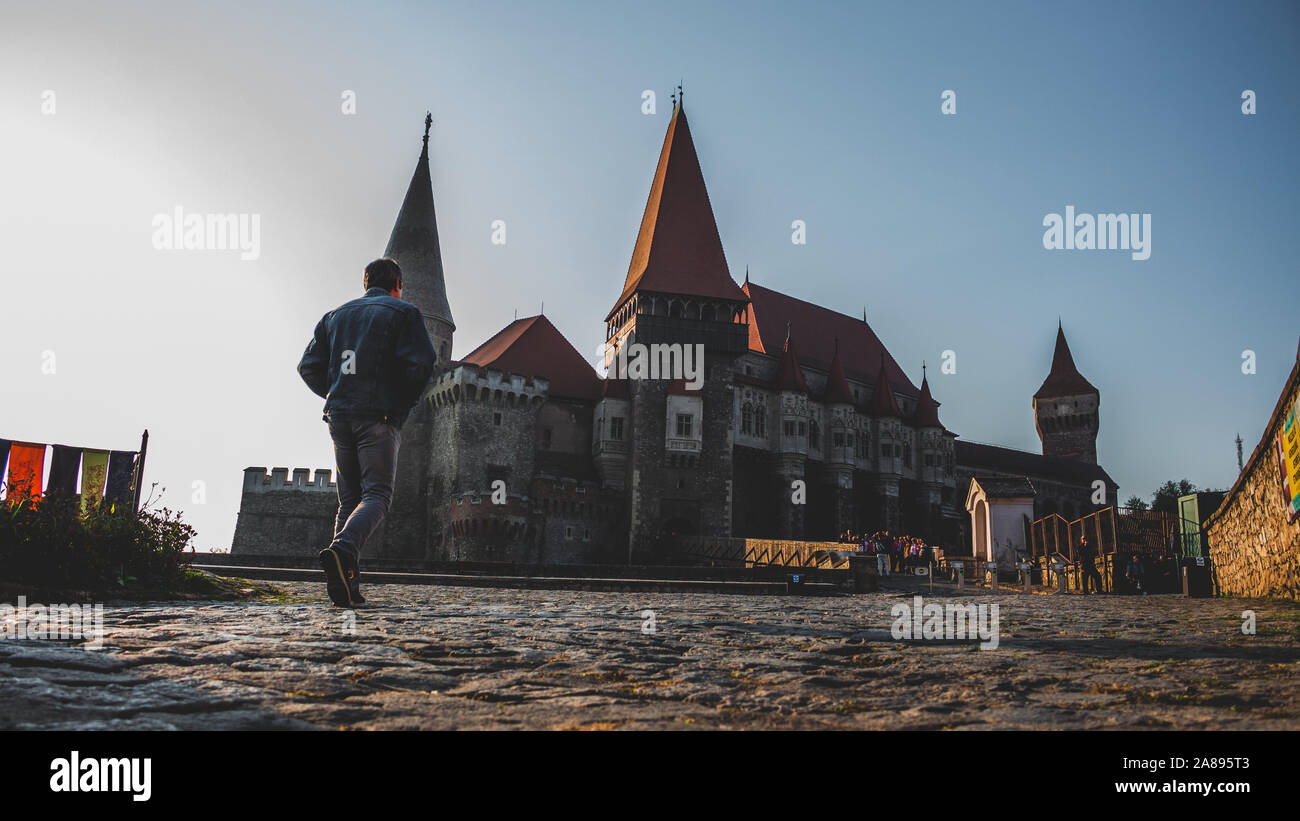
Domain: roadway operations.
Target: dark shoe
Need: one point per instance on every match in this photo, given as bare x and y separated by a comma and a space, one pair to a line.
342, 578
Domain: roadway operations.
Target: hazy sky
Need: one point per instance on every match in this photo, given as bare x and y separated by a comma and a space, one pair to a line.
824, 112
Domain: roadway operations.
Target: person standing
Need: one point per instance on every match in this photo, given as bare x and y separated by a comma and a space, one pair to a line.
369, 359
1087, 559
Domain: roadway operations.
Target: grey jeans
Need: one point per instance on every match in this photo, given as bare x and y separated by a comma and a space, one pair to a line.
365, 454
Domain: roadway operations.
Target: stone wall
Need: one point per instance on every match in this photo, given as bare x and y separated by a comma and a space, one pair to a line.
1254, 549
279, 516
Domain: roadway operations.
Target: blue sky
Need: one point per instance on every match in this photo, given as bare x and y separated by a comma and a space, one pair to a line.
824, 112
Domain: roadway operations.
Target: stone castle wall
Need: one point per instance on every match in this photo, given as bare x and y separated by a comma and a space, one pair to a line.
1254, 549
280, 516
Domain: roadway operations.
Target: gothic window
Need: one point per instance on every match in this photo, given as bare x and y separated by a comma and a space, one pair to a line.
760, 423
838, 438
616, 428
787, 427
747, 418
675, 309
803, 430
848, 439
814, 434
684, 425
907, 454
862, 447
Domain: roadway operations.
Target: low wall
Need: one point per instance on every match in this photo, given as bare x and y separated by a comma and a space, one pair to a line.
1254, 549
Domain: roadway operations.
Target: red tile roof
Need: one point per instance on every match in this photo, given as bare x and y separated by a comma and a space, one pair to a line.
678, 249
534, 347
817, 329
1065, 379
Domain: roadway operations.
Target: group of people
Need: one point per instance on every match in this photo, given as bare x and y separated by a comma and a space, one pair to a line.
894, 554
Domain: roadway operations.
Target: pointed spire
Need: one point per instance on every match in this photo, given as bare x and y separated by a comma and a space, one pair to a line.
837, 387
883, 403
927, 410
791, 376
1064, 379
678, 250
414, 245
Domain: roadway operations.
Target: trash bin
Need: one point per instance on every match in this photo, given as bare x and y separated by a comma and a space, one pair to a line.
1196, 577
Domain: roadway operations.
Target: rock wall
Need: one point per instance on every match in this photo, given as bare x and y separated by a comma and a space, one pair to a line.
1254, 549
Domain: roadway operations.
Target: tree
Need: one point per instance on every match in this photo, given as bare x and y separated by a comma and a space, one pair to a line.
1166, 496
1136, 503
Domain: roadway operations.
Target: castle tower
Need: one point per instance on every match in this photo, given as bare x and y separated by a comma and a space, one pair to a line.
887, 421
414, 244
935, 446
792, 393
1066, 408
840, 446
679, 291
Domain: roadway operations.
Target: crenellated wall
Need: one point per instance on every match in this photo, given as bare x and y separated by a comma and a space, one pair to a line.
280, 515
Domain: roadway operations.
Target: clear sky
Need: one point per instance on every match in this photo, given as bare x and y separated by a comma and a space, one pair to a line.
823, 112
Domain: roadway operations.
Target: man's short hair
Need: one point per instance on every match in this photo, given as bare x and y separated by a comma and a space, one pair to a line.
383, 273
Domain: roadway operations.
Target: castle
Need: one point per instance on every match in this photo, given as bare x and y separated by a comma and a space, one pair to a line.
800, 425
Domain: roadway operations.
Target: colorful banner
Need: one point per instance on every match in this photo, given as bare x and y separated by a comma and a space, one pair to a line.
121, 470
1289, 453
26, 466
94, 473
64, 464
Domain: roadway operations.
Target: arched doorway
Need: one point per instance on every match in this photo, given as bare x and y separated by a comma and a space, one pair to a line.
981, 533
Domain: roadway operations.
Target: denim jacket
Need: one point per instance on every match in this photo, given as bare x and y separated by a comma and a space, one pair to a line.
370, 358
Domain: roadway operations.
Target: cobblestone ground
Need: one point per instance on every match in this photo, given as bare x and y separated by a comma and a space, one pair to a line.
444, 658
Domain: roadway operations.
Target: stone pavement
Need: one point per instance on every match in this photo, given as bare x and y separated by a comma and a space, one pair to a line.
458, 658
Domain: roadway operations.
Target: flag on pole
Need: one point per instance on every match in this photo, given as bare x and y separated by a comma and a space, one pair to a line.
26, 466
64, 463
121, 468
94, 472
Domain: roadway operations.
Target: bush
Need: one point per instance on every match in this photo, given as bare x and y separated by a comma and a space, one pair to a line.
53, 543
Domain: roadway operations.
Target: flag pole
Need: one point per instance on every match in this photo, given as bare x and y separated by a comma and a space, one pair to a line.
139, 468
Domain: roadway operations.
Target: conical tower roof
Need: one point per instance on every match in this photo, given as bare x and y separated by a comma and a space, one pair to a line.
837, 387
1065, 379
791, 376
414, 244
883, 403
678, 250
927, 410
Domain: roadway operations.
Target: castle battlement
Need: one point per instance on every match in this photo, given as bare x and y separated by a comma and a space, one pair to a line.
469, 382
257, 480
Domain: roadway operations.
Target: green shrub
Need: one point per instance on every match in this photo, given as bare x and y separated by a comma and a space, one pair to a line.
54, 543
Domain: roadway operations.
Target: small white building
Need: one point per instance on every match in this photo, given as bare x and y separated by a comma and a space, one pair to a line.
1001, 510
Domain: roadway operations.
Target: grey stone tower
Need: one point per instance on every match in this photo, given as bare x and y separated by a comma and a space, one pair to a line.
414, 244
1066, 409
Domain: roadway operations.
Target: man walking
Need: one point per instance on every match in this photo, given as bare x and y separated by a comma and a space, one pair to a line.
370, 359
1088, 568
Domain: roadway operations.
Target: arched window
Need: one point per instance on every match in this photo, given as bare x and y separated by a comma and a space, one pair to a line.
814, 434
675, 309
760, 422
747, 418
